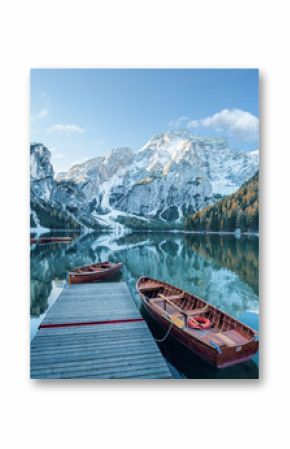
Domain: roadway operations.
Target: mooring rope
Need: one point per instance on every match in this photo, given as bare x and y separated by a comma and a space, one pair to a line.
166, 335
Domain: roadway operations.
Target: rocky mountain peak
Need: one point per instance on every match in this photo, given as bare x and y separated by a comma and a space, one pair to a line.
172, 176
40, 165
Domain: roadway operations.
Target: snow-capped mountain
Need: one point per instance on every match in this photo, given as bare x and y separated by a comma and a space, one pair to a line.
171, 177
41, 172
55, 204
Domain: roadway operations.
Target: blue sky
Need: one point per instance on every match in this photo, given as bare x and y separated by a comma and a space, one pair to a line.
81, 113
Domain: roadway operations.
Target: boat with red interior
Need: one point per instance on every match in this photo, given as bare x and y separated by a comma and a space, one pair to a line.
207, 331
94, 272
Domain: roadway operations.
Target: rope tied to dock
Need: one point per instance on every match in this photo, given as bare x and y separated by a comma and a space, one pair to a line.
161, 340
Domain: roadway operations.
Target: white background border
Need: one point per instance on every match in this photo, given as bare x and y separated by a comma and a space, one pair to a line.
144, 34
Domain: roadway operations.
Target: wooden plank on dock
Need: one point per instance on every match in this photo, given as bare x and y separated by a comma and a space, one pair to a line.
118, 350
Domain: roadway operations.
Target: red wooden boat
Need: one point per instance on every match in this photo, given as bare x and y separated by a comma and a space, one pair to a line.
51, 240
94, 273
214, 335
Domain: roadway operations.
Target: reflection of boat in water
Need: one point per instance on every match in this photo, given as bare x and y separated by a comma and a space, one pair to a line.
217, 337
94, 272
51, 240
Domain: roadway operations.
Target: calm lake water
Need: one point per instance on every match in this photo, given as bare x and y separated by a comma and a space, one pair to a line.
221, 269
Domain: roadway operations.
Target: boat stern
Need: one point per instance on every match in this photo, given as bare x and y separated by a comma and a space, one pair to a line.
237, 354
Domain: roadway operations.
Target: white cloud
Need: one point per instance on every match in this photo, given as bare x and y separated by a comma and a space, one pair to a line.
41, 114
179, 122
237, 122
55, 153
67, 129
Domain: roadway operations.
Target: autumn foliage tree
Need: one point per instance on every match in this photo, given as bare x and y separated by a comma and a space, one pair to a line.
237, 211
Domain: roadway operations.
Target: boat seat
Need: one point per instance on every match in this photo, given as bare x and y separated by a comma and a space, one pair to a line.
173, 297
236, 337
186, 312
167, 298
174, 315
197, 311
149, 287
226, 339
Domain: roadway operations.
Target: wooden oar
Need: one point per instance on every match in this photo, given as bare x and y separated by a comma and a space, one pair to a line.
178, 308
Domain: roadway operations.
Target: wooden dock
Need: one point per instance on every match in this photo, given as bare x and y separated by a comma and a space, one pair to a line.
95, 331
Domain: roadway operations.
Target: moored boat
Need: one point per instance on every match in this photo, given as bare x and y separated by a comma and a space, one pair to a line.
214, 335
94, 272
51, 240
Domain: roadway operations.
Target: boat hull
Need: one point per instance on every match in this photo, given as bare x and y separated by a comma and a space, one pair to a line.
76, 278
51, 240
229, 355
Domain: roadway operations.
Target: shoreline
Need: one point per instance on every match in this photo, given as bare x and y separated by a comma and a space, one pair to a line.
131, 231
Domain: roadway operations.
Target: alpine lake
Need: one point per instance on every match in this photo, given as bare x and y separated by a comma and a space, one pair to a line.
222, 269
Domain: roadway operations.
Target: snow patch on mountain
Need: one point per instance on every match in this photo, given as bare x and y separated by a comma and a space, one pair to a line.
172, 176
56, 204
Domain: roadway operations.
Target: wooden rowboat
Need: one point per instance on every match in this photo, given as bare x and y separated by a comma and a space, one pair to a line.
217, 337
51, 240
94, 273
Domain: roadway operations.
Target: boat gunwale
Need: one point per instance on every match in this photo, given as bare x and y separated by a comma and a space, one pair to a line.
167, 317
113, 266
214, 360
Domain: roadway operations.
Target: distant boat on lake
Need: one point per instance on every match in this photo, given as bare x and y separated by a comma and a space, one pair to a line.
50, 240
214, 335
94, 272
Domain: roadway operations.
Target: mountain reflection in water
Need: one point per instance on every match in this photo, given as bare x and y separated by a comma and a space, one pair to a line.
221, 269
